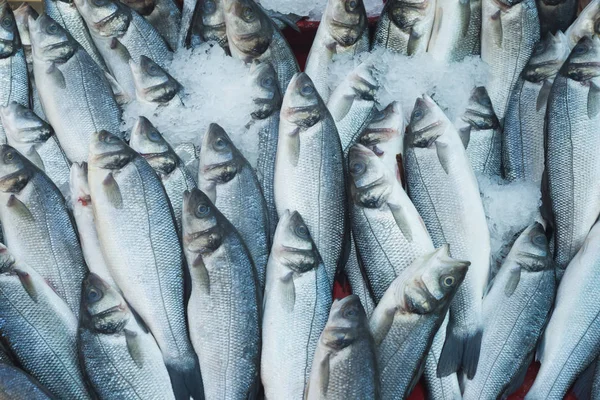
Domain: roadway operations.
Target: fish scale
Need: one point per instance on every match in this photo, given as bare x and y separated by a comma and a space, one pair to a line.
14, 84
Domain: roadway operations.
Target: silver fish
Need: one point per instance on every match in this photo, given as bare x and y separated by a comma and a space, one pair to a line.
408, 316
153, 84
223, 310
358, 280
343, 31
163, 15
206, 22
586, 24
443, 188
16, 384
132, 212
556, 15
296, 305
516, 310
227, 178
38, 227
309, 171
120, 357
344, 365
77, 98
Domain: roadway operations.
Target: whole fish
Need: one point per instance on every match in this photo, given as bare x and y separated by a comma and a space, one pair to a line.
456, 31
408, 316
571, 340
40, 329
405, 26
358, 280
133, 217
121, 35
523, 135
153, 84
267, 106
343, 31
206, 23
16, 384
229, 181
223, 310
296, 305
509, 31
572, 126
352, 104
443, 188
35, 139
309, 171
516, 310
76, 97
481, 134
388, 231
176, 179
556, 15
586, 24
164, 16
38, 227
252, 35
344, 363
120, 357
83, 213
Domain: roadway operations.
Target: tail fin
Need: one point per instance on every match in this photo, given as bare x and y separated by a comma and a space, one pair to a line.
461, 351
187, 382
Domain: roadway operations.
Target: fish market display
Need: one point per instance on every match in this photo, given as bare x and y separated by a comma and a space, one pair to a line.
163, 15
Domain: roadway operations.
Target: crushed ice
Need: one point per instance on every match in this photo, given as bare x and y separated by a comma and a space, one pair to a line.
314, 8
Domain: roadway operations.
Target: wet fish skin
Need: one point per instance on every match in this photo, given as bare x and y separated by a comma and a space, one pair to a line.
40, 329
66, 76
125, 191
166, 19
16, 384
443, 188
38, 227
556, 15
358, 280
516, 310
296, 306
153, 84
308, 169
230, 182
343, 32
408, 316
120, 357
223, 310
586, 24
344, 365
206, 23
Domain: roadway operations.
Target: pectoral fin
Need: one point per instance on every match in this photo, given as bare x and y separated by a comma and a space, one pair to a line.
593, 101
444, 155
27, 283
112, 191
513, 281
133, 348
19, 208
401, 220
496, 27
200, 274
288, 292
56, 76
543, 95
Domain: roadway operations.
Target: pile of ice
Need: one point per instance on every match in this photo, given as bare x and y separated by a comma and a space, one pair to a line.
313, 9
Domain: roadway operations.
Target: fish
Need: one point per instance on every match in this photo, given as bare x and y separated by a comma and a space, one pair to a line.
176, 179
296, 307
343, 32
38, 227
309, 169
571, 339
344, 364
408, 316
206, 23
404, 26
482, 135
252, 35
120, 357
224, 307
516, 310
163, 15
16, 384
132, 211
153, 84
34, 138
556, 15
83, 214
586, 24
76, 96
572, 120
352, 104
40, 329
357, 279
445, 192
267, 106
523, 134
509, 31
121, 35
388, 231
230, 182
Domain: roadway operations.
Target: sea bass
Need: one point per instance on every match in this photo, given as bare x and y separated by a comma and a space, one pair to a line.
586, 24
203, 22
155, 85
556, 15
163, 15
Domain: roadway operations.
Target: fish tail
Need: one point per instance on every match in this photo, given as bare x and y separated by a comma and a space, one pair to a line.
187, 382
461, 352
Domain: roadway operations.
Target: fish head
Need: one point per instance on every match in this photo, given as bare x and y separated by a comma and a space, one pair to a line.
531, 249
267, 99
211, 21
548, 56
427, 123
147, 140
406, 13
152, 83
15, 170
108, 151
78, 184
142, 7
103, 309
9, 34
7, 260
346, 20
347, 323
480, 113
369, 186
49, 40
22, 125
385, 126
292, 244
586, 24
363, 82
302, 105
107, 18
220, 160
583, 63
434, 282
201, 222
22, 14
249, 29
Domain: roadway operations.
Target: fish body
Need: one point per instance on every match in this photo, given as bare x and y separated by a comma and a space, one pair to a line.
556, 15
358, 280
16, 384
166, 19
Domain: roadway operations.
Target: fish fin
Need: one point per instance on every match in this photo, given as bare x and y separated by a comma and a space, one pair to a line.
201, 274
288, 291
120, 50
112, 191
133, 348
416, 377
496, 24
435, 30
582, 388
56, 76
517, 381
513, 281
489, 287
413, 42
543, 95
325, 371
284, 20
460, 352
465, 135
27, 283
546, 207
400, 218
344, 107
383, 326
294, 143
593, 101
465, 10
120, 95
400, 175
19, 208
443, 154
33, 156
186, 382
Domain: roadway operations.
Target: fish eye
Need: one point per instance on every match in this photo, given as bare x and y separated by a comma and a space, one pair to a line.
153, 69
100, 3
7, 22
154, 136
209, 7
486, 101
539, 240
267, 82
448, 281
220, 144
9, 157
52, 28
351, 312
248, 14
352, 4
581, 49
417, 114
302, 231
93, 295
357, 168
202, 210
307, 90
539, 48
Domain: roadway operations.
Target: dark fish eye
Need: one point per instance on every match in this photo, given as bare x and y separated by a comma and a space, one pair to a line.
153, 69
209, 7
307, 90
417, 114
302, 231
7, 22
581, 49
352, 4
100, 3
52, 28
539, 48
486, 101
202, 210
357, 168
351, 312
449, 281
93, 295
540, 240
248, 14
9, 157
154, 136
267, 82
220, 144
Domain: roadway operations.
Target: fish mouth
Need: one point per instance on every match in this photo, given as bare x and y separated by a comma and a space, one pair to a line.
427, 128
590, 64
14, 182
371, 185
341, 24
243, 37
306, 252
212, 167
119, 307
217, 27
